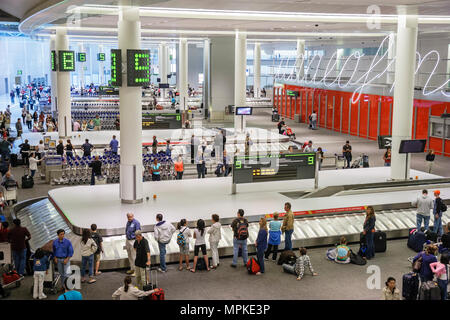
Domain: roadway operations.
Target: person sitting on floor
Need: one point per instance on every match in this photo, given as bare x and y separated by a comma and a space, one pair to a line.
342, 252
299, 267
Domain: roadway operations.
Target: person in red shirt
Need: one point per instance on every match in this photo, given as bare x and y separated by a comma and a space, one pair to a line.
17, 237
179, 168
4, 231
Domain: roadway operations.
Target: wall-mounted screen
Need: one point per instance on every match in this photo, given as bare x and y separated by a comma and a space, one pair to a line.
244, 111
66, 60
412, 146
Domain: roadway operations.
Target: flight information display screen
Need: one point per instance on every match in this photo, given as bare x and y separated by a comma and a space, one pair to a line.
138, 68
277, 167
53, 60
66, 60
101, 56
116, 68
161, 121
81, 57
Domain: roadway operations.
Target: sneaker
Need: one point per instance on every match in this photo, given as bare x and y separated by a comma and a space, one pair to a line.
133, 275
43, 297
233, 265
92, 281
161, 270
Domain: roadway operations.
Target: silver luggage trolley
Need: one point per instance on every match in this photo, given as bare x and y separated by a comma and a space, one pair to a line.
6, 265
51, 279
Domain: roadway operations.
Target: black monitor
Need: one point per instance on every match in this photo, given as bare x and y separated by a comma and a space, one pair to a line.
244, 111
384, 142
412, 146
164, 86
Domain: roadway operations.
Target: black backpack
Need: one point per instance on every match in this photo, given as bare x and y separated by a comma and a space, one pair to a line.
357, 259
242, 230
96, 239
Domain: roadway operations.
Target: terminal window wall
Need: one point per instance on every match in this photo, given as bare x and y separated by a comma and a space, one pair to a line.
23, 57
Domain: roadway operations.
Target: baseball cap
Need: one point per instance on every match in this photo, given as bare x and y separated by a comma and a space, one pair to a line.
437, 192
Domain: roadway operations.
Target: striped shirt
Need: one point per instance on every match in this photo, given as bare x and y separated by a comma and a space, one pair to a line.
300, 264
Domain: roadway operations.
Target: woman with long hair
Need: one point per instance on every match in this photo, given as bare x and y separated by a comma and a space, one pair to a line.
369, 231
200, 243
129, 292
183, 242
88, 248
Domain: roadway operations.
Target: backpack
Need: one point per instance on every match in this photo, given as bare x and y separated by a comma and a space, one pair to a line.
357, 259
287, 256
96, 239
443, 207
242, 230
253, 266
331, 254
181, 239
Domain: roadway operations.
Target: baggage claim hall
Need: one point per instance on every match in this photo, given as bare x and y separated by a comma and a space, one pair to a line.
224, 150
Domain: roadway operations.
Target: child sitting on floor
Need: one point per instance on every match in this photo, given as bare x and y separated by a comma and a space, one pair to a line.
299, 267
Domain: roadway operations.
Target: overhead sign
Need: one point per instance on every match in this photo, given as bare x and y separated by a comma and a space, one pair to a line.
138, 68
291, 93
53, 60
19, 72
116, 67
66, 60
108, 91
161, 121
101, 56
276, 167
81, 57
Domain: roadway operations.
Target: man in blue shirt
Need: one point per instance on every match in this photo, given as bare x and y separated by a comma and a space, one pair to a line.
114, 145
132, 226
87, 148
62, 251
69, 293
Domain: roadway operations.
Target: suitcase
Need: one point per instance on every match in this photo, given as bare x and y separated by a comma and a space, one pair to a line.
253, 266
150, 285
27, 181
429, 291
201, 263
410, 287
13, 158
416, 239
380, 242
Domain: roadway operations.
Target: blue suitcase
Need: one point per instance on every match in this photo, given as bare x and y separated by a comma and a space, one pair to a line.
410, 287
416, 239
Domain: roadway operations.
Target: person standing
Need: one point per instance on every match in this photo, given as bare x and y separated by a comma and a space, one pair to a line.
248, 143
88, 247
98, 253
280, 126
12, 95
387, 157
117, 123
130, 232
440, 270
347, 153
17, 237
429, 160
201, 164
96, 166
424, 205
240, 236
309, 147
69, 149
87, 148
183, 242
261, 244
314, 120
195, 142
438, 208
215, 234
288, 226
5, 150
62, 252
369, 231
163, 234
142, 261
97, 123
200, 244
29, 120
179, 168
40, 267
154, 145
114, 145
218, 148
274, 237
33, 164
24, 151
60, 148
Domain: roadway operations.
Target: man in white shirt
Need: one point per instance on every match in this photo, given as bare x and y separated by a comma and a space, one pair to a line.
163, 234
309, 147
424, 205
314, 120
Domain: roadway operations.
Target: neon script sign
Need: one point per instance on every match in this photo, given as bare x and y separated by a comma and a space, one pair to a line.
366, 79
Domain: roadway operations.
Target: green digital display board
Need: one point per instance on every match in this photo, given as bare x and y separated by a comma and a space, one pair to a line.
292, 93
81, 57
116, 68
53, 60
275, 167
66, 60
19, 72
101, 56
161, 121
138, 68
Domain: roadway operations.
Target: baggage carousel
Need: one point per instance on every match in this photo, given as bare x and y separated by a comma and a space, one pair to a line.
312, 227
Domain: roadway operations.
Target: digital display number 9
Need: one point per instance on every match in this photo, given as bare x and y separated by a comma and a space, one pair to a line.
310, 160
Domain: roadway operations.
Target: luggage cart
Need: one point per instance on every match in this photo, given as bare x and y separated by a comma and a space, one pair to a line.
6, 266
10, 194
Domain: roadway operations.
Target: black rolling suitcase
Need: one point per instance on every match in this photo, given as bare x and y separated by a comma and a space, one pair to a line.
27, 181
410, 287
380, 242
13, 158
152, 275
429, 291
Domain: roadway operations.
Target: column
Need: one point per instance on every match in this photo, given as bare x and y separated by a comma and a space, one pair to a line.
403, 92
183, 73
257, 71
391, 56
299, 67
240, 64
101, 67
206, 77
162, 59
62, 99
53, 77
130, 112
81, 67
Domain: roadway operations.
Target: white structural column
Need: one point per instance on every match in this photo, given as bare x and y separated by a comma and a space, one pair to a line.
130, 112
183, 73
206, 76
299, 67
81, 67
162, 59
62, 98
391, 57
53, 76
101, 67
257, 71
240, 65
403, 92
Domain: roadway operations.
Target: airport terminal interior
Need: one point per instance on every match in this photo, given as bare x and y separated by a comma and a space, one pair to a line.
302, 146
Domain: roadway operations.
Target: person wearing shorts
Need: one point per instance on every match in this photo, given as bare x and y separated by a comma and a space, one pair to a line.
200, 243
184, 249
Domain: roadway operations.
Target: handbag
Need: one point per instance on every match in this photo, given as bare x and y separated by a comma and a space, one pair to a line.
417, 265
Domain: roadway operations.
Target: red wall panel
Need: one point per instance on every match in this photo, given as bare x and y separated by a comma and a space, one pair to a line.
337, 111
363, 113
345, 111
354, 119
373, 116
323, 112
436, 145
